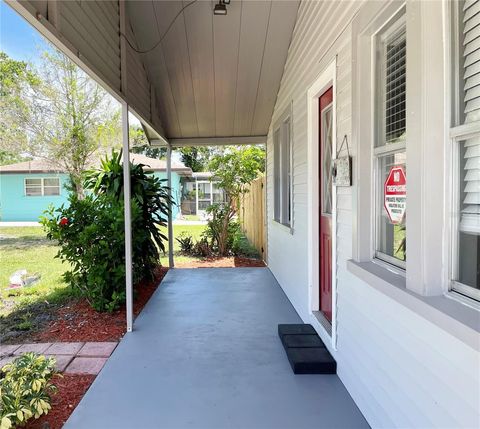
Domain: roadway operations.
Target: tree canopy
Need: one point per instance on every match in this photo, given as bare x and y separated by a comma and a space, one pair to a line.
236, 167
55, 111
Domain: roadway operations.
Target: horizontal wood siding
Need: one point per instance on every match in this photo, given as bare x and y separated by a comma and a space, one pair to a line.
402, 370
138, 86
93, 29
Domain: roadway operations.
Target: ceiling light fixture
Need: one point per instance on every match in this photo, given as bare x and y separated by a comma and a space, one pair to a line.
220, 8
225, 1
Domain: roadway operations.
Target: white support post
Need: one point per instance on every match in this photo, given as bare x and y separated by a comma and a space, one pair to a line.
170, 217
196, 196
127, 217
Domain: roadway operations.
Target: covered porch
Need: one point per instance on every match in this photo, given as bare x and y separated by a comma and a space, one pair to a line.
205, 354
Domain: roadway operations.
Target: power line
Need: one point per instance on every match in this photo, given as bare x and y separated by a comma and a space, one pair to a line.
146, 51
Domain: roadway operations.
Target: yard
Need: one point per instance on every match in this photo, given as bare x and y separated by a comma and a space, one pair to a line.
24, 312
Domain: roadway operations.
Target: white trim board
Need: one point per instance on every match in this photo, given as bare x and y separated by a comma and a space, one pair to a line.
326, 79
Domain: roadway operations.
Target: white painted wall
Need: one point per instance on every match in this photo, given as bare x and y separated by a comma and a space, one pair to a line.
402, 370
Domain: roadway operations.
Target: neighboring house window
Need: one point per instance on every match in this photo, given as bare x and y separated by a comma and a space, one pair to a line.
390, 142
42, 186
282, 170
465, 274
33, 187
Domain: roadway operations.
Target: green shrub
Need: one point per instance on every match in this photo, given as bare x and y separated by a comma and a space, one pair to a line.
91, 236
25, 389
221, 228
186, 243
242, 247
202, 248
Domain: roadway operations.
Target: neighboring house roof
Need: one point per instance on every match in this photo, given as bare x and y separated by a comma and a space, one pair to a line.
43, 166
202, 174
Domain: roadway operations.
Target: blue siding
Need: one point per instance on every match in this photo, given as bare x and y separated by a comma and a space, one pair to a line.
176, 190
16, 206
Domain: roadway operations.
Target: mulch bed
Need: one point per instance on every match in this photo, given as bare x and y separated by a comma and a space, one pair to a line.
71, 389
77, 321
219, 262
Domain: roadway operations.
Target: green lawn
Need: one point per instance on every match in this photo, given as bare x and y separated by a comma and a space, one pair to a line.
28, 248
194, 230
24, 311
191, 217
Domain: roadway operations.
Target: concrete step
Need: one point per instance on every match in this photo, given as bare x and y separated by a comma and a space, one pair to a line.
306, 352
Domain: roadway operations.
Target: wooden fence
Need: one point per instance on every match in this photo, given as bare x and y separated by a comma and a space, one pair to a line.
252, 216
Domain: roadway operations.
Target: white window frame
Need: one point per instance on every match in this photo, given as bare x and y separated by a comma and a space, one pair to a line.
457, 132
283, 170
424, 150
386, 149
42, 186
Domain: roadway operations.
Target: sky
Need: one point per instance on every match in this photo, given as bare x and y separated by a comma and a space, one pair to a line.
17, 37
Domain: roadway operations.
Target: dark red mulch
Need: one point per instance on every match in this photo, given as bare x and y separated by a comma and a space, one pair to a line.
222, 262
77, 321
71, 389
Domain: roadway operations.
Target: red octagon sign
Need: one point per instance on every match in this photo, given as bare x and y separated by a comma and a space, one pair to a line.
395, 195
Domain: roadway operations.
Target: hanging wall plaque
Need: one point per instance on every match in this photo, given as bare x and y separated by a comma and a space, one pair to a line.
342, 167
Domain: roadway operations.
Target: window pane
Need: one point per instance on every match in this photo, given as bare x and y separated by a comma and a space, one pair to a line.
276, 174
51, 190
204, 191
285, 172
33, 182
391, 209
326, 168
51, 182
468, 271
391, 70
33, 190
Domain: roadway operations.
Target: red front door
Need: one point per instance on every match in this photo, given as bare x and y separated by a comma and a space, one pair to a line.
325, 201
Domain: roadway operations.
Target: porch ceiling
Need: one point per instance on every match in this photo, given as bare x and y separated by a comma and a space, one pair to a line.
214, 76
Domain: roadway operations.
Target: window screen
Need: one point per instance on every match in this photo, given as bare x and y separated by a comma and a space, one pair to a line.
391, 69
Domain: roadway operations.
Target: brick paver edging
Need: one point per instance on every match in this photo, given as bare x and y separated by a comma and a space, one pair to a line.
72, 358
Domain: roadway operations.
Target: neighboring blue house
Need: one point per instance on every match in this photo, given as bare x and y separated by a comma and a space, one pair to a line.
28, 188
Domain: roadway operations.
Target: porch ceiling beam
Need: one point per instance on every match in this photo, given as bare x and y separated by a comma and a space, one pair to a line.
213, 141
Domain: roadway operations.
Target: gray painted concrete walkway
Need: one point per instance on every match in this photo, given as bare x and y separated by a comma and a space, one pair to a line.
205, 354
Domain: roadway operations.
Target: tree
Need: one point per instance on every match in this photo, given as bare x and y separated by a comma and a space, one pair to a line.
233, 169
197, 158
15, 78
139, 144
63, 115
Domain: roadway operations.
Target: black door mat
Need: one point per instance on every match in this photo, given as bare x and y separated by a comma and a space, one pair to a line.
305, 350
309, 340
296, 329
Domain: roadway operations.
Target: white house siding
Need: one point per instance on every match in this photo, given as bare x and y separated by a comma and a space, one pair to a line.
401, 370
